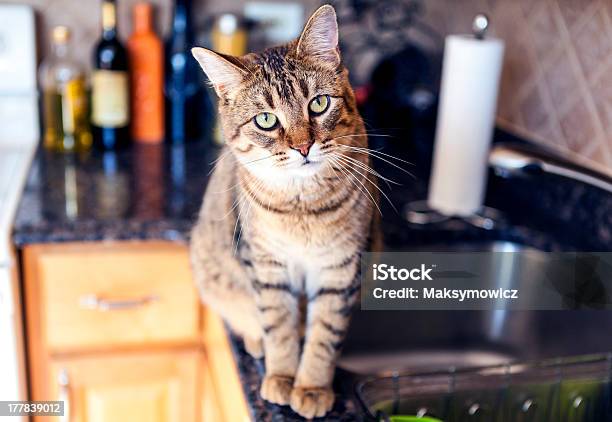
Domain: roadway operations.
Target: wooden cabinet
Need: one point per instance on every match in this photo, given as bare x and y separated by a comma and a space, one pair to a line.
116, 330
159, 386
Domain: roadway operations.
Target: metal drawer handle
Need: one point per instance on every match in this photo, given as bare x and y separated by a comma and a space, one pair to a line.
99, 304
64, 393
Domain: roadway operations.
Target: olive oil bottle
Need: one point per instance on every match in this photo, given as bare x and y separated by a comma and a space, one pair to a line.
65, 104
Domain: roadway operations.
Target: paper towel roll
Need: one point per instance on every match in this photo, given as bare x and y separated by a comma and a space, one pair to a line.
466, 115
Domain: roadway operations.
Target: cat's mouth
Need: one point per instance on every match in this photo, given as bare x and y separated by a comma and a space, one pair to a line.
310, 164
307, 167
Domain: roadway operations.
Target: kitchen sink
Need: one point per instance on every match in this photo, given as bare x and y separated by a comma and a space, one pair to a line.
388, 352
384, 342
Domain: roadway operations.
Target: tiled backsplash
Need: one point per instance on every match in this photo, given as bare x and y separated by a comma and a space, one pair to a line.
557, 78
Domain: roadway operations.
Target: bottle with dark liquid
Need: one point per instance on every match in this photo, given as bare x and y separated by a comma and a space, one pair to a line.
186, 100
110, 92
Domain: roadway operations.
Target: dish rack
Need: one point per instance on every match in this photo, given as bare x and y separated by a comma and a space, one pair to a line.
576, 389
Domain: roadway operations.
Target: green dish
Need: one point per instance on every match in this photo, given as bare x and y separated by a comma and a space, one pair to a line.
402, 418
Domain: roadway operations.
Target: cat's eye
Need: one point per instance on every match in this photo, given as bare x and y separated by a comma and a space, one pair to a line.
319, 104
265, 121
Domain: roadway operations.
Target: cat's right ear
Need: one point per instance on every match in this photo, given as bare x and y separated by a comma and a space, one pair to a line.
222, 73
319, 38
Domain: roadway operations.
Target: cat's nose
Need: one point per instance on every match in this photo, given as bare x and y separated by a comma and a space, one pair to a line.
303, 149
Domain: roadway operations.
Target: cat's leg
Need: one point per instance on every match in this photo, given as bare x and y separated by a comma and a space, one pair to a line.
279, 315
333, 294
238, 310
224, 286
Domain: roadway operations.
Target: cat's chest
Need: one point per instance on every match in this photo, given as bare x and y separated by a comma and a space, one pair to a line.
294, 232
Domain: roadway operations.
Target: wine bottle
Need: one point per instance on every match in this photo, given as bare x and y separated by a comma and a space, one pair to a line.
184, 87
110, 87
147, 65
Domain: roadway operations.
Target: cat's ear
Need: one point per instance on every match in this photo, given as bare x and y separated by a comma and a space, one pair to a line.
222, 73
320, 36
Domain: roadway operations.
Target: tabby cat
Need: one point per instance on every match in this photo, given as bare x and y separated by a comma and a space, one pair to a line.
288, 210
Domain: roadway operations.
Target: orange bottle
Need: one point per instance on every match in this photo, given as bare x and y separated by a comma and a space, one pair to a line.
146, 64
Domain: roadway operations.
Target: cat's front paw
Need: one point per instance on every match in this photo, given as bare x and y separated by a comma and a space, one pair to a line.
311, 402
277, 389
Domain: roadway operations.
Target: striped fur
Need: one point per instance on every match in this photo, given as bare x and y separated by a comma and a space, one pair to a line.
275, 231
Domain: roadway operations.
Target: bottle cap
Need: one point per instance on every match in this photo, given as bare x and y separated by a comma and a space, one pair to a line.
60, 34
109, 18
142, 13
228, 23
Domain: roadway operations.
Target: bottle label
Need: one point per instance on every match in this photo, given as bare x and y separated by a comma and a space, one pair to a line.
110, 98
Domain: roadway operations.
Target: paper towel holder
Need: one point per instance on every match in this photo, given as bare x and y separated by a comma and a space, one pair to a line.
420, 213
445, 204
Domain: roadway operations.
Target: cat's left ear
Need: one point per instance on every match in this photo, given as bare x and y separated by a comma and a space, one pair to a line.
319, 38
222, 73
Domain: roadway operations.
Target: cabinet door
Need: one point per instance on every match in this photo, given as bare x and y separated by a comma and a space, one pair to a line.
155, 387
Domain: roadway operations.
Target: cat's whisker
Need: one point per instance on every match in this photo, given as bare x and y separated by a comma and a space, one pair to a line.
375, 152
354, 135
234, 205
352, 177
367, 168
362, 187
371, 182
258, 159
376, 173
218, 160
220, 157
241, 201
367, 152
328, 163
226, 190
358, 135
352, 162
242, 221
341, 169
369, 126
246, 217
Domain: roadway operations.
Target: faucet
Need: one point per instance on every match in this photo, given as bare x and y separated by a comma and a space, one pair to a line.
508, 159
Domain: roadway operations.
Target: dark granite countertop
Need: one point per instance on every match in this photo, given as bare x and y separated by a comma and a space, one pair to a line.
142, 193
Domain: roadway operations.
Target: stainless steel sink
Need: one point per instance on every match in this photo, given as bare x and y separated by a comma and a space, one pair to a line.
380, 342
